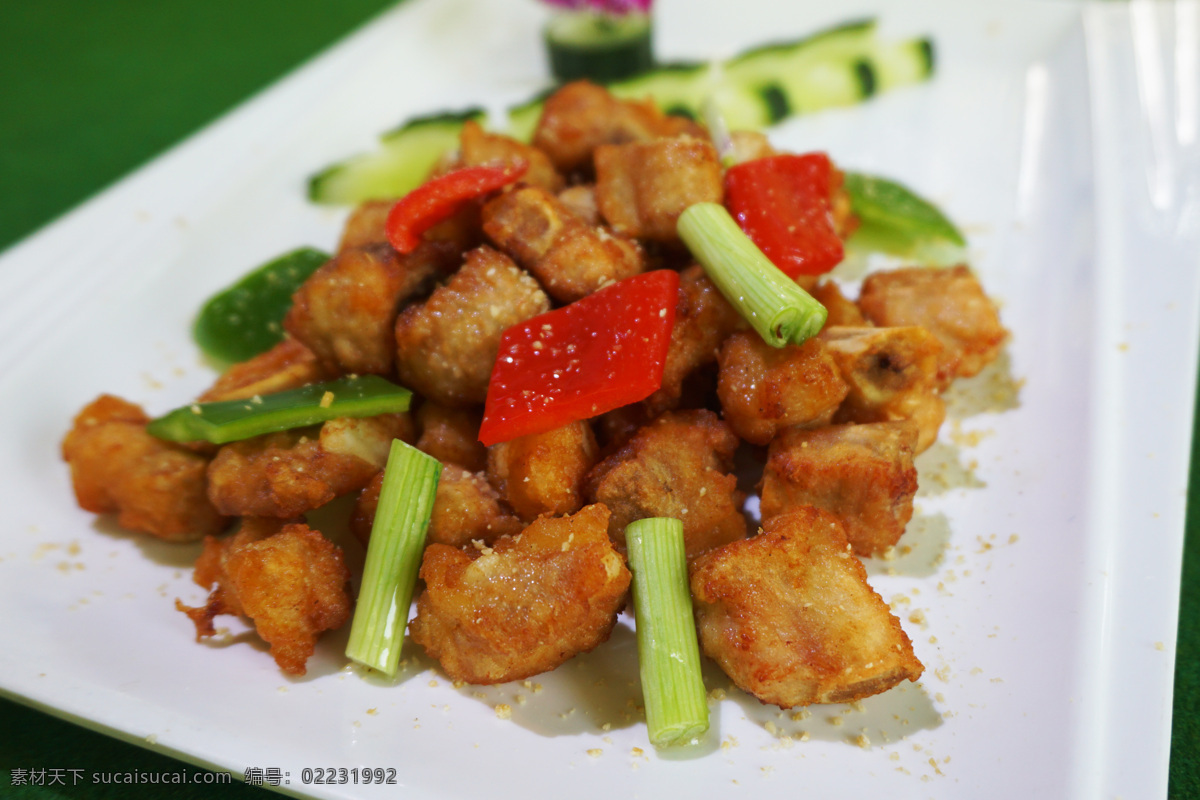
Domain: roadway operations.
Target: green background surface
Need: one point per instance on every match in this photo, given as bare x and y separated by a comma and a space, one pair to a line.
91, 90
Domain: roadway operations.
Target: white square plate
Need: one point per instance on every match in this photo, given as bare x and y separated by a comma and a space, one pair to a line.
1042, 586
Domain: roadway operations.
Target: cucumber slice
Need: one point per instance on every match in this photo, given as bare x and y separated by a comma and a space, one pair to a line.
409, 152
523, 118
837, 67
677, 88
599, 47
246, 318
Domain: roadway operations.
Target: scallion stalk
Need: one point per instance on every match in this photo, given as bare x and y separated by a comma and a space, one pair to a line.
393, 558
234, 420
668, 653
770, 301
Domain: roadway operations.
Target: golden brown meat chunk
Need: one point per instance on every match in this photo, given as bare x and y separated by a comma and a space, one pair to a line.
543, 473
676, 466
451, 435
949, 303
790, 617
153, 486
288, 473
365, 225
287, 365
345, 311
892, 374
764, 389
478, 147
703, 320
749, 145
465, 509
524, 605
842, 310
643, 187
581, 116
863, 474
287, 578
447, 345
570, 258
580, 200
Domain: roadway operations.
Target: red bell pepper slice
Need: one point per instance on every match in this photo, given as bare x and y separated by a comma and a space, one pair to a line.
440, 198
783, 205
601, 352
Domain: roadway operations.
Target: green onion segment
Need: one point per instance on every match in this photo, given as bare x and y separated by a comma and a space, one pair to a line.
668, 653
246, 318
896, 220
770, 301
393, 558
234, 420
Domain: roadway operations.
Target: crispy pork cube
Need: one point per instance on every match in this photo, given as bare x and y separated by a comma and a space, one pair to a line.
153, 486
643, 187
451, 435
288, 579
842, 310
345, 311
570, 258
478, 147
525, 605
543, 473
581, 116
448, 344
465, 509
892, 374
764, 389
287, 365
749, 145
365, 225
862, 474
581, 201
287, 473
676, 466
949, 303
703, 319
790, 617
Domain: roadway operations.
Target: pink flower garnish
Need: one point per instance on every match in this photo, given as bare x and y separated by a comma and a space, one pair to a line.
614, 7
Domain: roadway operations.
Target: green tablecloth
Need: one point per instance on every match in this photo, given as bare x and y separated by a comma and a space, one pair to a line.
88, 91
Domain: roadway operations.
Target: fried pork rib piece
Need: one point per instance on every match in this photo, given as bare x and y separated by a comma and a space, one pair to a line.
154, 487
448, 344
842, 310
451, 435
676, 466
284, 474
580, 200
643, 187
478, 147
581, 116
949, 303
543, 473
525, 605
863, 474
366, 225
892, 374
790, 617
287, 578
570, 258
764, 389
344, 312
703, 320
287, 365
465, 509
